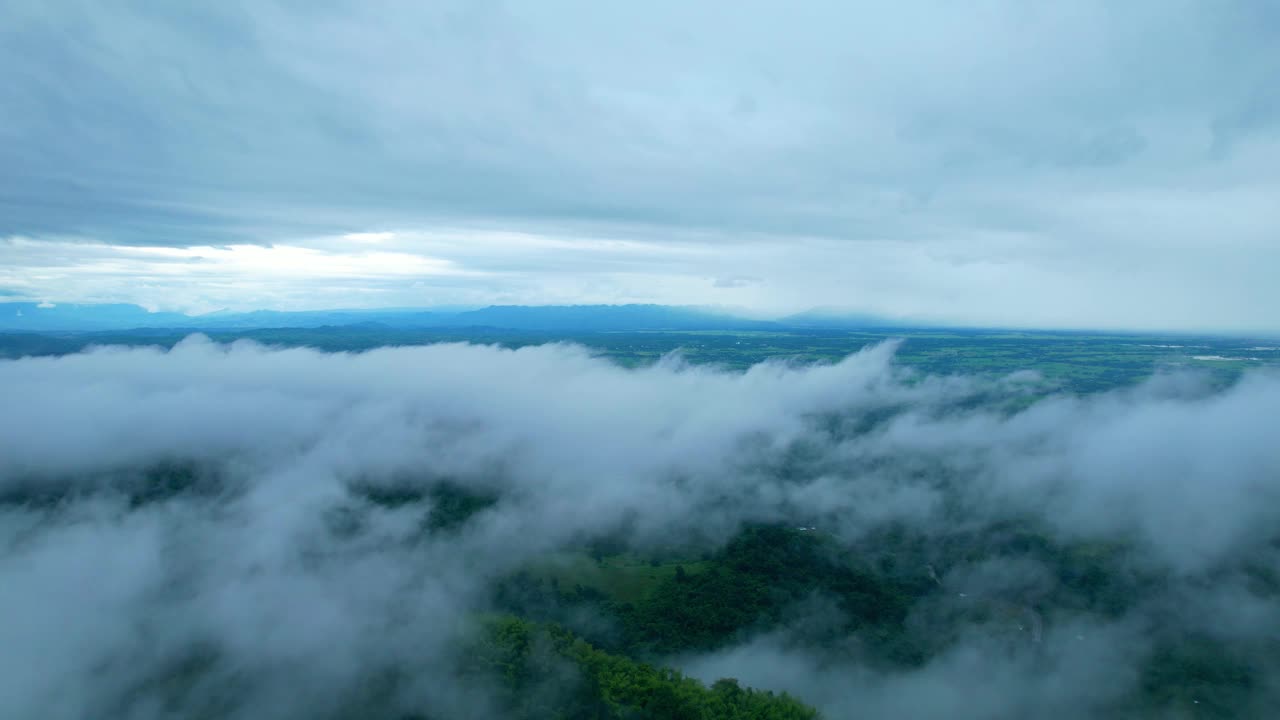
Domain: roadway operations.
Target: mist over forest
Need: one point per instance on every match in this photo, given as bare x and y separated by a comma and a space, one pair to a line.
233, 530
565, 360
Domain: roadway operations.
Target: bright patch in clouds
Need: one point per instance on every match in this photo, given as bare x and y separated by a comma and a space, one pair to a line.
204, 277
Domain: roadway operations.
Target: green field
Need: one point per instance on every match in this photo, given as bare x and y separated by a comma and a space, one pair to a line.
625, 578
1074, 362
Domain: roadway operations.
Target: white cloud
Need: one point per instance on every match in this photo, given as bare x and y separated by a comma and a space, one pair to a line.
251, 570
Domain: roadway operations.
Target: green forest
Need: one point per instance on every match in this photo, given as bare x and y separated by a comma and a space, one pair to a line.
616, 617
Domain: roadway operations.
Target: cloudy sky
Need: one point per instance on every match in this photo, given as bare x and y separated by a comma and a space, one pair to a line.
997, 162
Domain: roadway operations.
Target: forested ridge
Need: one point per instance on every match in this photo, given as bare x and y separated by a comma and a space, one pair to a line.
882, 605
548, 672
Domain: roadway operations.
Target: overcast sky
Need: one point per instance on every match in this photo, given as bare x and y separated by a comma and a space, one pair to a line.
1080, 163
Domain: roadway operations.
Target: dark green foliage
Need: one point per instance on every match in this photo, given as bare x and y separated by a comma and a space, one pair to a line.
1087, 577
448, 505
453, 505
750, 584
547, 672
583, 609
156, 483
1199, 675
167, 480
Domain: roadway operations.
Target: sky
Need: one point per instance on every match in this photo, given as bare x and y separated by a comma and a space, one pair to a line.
1082, 164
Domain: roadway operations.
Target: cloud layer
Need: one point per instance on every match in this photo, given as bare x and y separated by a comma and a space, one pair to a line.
247, 578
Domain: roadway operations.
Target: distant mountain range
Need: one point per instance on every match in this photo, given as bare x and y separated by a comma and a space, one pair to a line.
45, 317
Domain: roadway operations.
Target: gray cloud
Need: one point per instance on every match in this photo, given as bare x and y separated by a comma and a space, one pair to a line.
1121, 154
736, 281
979, 678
